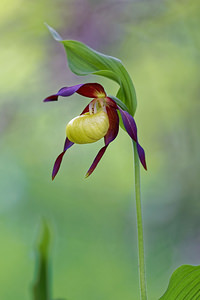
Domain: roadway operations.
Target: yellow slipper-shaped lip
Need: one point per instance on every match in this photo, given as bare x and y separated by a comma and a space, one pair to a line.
88, 128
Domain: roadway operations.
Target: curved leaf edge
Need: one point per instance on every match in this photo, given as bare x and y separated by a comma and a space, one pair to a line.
180, 284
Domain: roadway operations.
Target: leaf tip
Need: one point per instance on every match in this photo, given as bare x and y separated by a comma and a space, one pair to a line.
54, 33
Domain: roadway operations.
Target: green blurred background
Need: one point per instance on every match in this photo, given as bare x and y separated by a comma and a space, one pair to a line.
94, 246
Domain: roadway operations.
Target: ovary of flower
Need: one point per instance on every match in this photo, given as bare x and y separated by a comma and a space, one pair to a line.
88, 128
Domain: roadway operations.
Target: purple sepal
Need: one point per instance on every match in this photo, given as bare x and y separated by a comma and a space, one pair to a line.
114, 125
90, 90
51, 98
109, 137
131, 128
57, 164
64, 92
129, 124
96, 161
67, 144
68, 91
141, 155
58, 161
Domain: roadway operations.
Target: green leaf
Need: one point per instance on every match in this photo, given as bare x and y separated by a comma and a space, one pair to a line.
184, 284
41, 287
83, 60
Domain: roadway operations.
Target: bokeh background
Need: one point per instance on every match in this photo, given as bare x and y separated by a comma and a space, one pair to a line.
93, 222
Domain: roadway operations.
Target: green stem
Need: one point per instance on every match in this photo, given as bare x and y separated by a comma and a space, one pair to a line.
143, 292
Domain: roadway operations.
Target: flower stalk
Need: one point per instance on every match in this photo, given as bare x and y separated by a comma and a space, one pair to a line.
142, 278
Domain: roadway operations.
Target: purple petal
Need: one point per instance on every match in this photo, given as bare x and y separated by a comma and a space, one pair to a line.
109, 137
141, 155
67, 144
91, 90
64, 92
57, 164
96, 161
131, 128
51, 98
129, 124
114, 125
68, 91
58, 161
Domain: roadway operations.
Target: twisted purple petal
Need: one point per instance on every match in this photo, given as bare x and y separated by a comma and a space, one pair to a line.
96, 161
51, 98
67, 145
58, 161
109, 137
131, 128
114, 125
68, 91
129, 124
64, 92
141, 155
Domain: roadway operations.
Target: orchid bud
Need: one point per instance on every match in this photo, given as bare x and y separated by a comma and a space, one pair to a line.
88, 128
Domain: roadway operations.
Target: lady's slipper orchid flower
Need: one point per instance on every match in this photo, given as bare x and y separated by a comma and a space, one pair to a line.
99, 119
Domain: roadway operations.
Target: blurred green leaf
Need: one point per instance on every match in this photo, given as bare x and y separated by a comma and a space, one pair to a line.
41, 287
83, 60
184, 284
